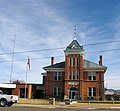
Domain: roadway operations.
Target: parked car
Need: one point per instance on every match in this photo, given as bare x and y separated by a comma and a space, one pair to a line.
7, 100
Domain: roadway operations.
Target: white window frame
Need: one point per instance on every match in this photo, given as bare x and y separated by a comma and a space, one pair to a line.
74, 59
91, 92
77, 74
71, 74
92, 74
71, 62
58, 93
77, 62
57, 74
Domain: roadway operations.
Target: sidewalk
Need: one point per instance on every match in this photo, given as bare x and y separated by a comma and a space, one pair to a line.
73, 106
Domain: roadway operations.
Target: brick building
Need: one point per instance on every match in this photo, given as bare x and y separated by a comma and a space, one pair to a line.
74, 78
33, 91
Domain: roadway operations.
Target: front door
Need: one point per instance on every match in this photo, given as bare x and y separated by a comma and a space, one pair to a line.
73, 93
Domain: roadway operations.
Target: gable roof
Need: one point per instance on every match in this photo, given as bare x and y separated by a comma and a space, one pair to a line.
74, 48
87, 64
74, 45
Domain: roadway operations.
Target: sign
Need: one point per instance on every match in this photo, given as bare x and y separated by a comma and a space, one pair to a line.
73, 83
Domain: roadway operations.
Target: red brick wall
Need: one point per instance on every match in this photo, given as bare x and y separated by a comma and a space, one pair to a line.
50, 83
16, 91
95, 83
83, 85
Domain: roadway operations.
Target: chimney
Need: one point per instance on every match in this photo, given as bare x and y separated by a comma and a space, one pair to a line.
52, 60
100, 61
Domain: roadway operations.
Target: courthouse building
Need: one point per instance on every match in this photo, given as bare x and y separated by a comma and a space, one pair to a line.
75, 78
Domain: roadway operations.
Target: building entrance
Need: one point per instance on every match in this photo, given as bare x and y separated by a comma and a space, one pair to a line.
73, 93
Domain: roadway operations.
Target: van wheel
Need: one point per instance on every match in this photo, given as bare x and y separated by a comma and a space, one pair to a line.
10, 104
3, 102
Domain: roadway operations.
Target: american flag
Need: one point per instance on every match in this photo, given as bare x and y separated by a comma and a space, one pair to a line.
28, 63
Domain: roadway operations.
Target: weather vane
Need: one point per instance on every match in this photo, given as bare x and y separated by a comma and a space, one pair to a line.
75, 30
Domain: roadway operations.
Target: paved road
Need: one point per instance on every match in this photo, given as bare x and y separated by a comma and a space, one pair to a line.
43, 109
39, 109
50, 108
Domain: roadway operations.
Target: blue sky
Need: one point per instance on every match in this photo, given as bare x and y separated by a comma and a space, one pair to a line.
48, 24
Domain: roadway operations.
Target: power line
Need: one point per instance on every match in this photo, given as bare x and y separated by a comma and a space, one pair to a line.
58, 48
102, 43
63, 56
103, 51
34, 51
31, 59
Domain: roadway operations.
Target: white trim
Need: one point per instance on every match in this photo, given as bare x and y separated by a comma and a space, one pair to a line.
44, 74
74, 51
54, 70
92, 69
7, 85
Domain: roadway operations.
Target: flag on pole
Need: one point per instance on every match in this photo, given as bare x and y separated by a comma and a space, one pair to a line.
28, 63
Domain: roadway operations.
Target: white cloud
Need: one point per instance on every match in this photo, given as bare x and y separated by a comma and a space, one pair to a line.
46, 36
40, 26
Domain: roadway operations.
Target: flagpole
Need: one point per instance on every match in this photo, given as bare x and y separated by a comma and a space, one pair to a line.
26, 81
27, 66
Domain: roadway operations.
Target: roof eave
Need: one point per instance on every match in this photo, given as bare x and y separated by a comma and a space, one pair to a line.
54, 69
94, 69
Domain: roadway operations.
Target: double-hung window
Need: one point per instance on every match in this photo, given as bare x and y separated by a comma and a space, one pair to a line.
74, 75
92, 76
74, 62
92, 91
57, 91
57, 76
